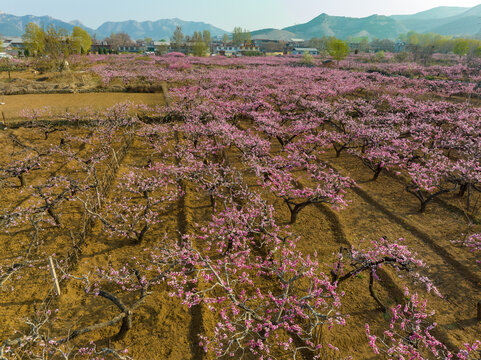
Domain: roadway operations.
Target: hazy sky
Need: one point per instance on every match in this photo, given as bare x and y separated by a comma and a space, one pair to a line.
250, 14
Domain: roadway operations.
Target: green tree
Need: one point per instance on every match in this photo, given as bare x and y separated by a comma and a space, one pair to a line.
461, 47
178, 37
81, 41
364, 44
337, 48
34, 39
307, 58
58, 46
384, 45
225, 39
380, 56
412, 38
237, 36
247, 37
477, 52
207, 37
199, 48
443, 44
241, 36
197, 37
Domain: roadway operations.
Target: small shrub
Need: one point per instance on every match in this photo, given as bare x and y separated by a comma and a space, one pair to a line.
401, 57
307, 58
380, 56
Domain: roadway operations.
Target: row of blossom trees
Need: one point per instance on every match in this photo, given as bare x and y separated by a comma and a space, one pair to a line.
243, 262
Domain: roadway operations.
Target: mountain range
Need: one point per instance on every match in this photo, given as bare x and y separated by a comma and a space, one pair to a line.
12, 25
455, 21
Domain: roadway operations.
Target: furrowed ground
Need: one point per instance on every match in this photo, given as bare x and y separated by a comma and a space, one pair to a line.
262, 208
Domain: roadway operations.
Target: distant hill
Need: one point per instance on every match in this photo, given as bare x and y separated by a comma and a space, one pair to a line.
273, 34
440, 12
374, 26
12, 25
77, 23
469, 25
445, 20
466, 23
160, 29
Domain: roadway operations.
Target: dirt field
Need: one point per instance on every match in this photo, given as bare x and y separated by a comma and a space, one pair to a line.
60, 103
165, 329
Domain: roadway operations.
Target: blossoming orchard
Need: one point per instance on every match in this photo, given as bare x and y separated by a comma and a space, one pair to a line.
263, 208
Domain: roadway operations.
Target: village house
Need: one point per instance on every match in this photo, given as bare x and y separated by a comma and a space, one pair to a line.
135, 49
160, 47
100, 46
294, 43
185, 48
139, 47
302, 51
399, 46
271, 46
233, 50
13, 46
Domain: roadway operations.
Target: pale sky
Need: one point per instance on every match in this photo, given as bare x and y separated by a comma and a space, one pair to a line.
249, 14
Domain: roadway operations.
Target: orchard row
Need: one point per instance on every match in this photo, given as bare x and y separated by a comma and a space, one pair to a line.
272, 123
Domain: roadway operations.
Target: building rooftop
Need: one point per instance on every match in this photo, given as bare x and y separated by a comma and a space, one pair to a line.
305, 49
13, 39
260, 37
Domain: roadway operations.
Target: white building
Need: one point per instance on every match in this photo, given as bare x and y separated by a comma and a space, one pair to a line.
232, 50
302, 51
13, 45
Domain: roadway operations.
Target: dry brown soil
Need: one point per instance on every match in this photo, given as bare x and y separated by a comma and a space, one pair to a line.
165, 329
60, 103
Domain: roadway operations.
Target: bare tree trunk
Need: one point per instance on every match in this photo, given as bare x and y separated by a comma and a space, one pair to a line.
295, 211
23, 182
126, 326
373, 293
377, 172
423, 206
54, 216
141, 235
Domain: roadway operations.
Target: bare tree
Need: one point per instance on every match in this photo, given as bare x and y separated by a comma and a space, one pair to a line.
118, 40
178, 37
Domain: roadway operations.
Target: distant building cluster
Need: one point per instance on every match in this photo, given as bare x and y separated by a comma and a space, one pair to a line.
259, 45
11, 46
